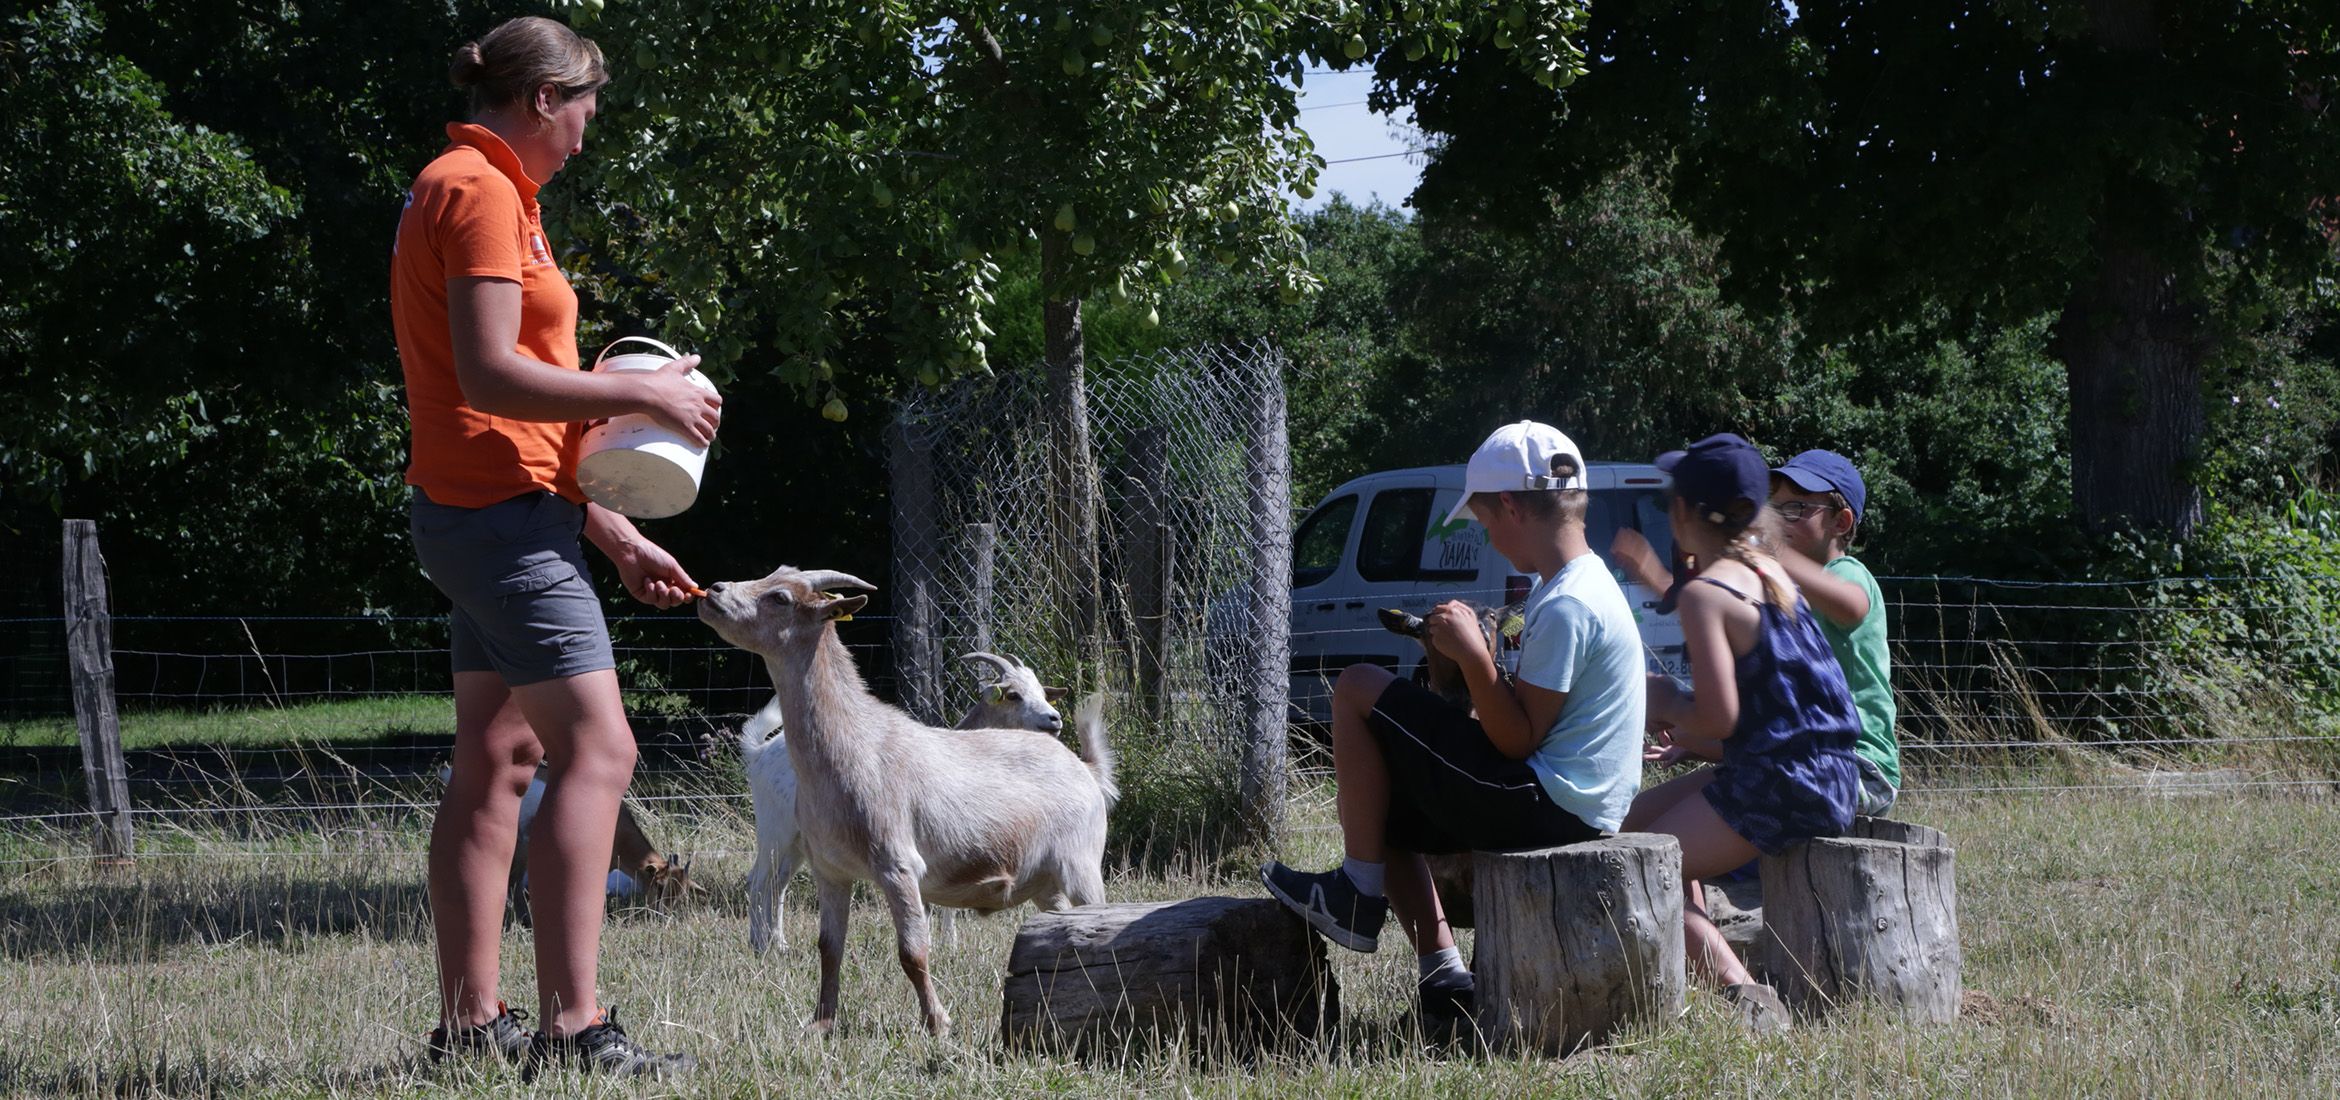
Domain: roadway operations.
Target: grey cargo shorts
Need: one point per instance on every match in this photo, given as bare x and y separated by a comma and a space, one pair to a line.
524, 603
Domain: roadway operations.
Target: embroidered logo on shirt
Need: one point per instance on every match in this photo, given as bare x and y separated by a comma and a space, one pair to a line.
540, 253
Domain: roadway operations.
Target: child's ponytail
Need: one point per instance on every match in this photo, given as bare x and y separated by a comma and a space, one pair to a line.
1748, 531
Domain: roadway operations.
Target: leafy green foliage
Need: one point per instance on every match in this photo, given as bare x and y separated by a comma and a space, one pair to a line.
1340, 343
800, 176
114, 212
1959, 436
2151, 174
1606, 318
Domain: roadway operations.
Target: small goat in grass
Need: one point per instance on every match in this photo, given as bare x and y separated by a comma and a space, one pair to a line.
976, 819
636, 868
1014, 698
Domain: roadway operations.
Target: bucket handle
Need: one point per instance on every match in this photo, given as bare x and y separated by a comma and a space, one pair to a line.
670, 352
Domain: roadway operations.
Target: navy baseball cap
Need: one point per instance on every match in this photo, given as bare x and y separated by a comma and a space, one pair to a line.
1717, 472
1825, 471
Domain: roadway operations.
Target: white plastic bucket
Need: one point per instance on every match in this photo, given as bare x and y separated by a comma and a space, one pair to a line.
633, 465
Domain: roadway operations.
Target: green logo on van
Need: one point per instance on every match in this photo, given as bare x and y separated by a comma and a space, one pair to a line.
1450, 529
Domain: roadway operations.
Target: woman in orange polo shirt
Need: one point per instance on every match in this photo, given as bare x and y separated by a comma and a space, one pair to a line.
487, 333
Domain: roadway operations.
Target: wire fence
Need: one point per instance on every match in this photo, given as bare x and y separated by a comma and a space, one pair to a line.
1995, 681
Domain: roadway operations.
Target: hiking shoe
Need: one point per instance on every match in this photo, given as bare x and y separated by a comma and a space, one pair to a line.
1331, 904
602, 1047
1759, 1007
507, 1036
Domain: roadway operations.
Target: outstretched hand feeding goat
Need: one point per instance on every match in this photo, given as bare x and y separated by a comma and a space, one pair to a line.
977, 819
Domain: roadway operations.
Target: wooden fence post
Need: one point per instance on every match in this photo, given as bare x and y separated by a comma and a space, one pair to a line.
89, 646
1151, 568
981, 542
1267, 700
917, 662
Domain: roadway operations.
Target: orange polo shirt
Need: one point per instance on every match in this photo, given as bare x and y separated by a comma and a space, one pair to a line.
473, 212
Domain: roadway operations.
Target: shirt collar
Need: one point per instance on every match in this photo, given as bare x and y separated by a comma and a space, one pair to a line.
497, 153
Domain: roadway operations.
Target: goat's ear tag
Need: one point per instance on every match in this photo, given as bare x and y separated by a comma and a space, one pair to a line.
841, 608
994, 694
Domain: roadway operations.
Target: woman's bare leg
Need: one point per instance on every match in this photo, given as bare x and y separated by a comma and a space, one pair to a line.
590, 751
471, 843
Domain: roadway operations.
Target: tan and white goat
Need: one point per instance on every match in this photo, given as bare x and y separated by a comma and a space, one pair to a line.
1011, 698
974, 819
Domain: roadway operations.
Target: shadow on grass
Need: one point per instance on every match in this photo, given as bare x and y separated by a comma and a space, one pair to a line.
138, 1073
139, 921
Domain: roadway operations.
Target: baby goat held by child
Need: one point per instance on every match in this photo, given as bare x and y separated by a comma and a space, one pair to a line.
976, 819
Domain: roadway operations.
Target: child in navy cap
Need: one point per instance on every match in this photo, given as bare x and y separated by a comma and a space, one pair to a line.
1820, 499
1767, 700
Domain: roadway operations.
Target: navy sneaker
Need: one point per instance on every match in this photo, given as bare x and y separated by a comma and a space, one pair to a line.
507, 1037
1450, 994
1331, 904
603, 1047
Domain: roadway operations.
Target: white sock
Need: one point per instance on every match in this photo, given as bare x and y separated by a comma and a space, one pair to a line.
1366, 877
1446, 958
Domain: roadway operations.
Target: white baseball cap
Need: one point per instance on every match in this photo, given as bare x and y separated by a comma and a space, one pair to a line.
1520, 458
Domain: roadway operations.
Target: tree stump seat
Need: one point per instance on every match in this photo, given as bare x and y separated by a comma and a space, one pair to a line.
1869, 915
1579, 941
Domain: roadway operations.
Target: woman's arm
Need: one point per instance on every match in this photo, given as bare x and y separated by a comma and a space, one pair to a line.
649, 572
483, 318
1711, 711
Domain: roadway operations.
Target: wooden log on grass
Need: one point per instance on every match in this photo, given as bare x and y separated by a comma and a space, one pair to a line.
1579, 941
1233, 973
1873, 915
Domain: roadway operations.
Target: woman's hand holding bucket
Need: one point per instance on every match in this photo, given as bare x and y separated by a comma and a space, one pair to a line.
675, 402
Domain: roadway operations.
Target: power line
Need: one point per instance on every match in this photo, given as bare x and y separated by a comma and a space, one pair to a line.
1378, 156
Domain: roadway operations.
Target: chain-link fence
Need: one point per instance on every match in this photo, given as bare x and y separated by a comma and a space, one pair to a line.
1179, 604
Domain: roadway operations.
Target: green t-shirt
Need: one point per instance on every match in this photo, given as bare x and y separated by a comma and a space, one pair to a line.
1867, 669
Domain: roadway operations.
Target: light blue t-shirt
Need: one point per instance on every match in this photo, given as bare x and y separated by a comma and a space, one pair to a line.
1580, 638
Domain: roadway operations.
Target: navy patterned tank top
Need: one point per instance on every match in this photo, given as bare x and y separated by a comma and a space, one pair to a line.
1787, 773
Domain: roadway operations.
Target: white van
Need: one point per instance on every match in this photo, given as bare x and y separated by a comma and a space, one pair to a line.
1378, 542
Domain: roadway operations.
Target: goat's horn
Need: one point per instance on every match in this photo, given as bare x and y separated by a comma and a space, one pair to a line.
825, 579
993, 659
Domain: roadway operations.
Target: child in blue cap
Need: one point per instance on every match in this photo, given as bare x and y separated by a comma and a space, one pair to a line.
1767, 699
1819, 496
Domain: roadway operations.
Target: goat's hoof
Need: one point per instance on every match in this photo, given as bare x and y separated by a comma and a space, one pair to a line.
821, 1029
939, 1027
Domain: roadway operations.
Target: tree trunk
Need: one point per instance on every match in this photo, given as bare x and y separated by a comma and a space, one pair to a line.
917, 621
1579, 941
1237, 972
2132, 340
1072, 462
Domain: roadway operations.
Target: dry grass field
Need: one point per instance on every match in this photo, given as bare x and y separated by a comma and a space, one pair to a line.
2116, 945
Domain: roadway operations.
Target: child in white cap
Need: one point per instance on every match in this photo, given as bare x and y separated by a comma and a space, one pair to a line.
1553, 756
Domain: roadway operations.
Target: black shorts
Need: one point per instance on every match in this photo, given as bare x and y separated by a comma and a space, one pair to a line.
1451, 791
